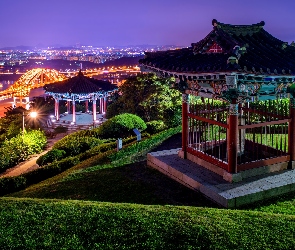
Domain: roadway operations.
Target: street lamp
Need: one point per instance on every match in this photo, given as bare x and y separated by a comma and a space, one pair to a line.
33, 114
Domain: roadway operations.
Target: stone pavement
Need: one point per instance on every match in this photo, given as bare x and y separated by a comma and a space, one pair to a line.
215, 187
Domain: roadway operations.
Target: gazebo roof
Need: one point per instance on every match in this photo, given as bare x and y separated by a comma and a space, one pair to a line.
80, 85
245, 49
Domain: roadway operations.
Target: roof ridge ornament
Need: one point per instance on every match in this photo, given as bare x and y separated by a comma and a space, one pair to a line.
238, 29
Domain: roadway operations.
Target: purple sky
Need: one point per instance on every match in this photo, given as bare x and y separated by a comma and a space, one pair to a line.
134, 22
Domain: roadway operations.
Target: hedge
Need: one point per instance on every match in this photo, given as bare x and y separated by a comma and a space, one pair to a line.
121, 126
98, 155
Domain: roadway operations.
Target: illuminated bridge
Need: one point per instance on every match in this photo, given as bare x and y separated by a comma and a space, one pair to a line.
39, 77
32, 79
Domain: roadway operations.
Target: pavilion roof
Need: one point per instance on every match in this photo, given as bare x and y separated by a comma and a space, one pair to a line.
238, 48
80, 84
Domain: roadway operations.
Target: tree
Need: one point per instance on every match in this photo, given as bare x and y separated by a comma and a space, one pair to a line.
147, 96
11, 123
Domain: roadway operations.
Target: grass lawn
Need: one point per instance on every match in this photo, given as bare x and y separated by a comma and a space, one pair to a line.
133, 183
55, 224
130, 206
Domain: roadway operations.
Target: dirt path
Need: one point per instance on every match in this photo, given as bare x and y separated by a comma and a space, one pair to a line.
31, 164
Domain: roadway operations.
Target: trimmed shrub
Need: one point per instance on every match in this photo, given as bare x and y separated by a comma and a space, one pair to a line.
50, 156
121, 126
76, 144
142, 146
50, 170
154, 127
101, 154
12, 184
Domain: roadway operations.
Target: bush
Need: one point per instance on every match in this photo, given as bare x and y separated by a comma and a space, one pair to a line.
121, 126
102, 154
19, 148
154, 127
75, 144
50, 156
144, 145
12, 184
50, 170
172, 117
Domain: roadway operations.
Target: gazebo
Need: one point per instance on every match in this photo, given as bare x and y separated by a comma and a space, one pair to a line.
238, 103
77, 89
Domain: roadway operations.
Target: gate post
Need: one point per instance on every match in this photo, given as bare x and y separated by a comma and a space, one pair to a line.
185, 106
291, 131
232, 138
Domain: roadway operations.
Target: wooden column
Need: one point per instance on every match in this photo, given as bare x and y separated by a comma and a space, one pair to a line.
74, 110
232, 138
94, 110
56, 109
185, 105
291, 131
100, 105
104, 105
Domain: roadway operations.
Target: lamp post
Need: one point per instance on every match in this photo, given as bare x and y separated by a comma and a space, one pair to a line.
33, 114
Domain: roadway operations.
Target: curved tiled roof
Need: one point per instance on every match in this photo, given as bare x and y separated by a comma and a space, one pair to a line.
80, 84
245, 48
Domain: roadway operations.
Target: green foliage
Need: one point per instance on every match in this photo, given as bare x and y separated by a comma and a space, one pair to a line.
101, 154
10, 126
19, 148
121, 126
154, 127
147, 96
143, 146
50, 170
75, 144
12, 184
172, 117
47, 224
50, 156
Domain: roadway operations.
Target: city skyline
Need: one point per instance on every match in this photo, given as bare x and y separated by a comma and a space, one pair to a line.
130, 22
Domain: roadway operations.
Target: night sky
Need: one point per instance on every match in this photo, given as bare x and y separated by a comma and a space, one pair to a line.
134, 22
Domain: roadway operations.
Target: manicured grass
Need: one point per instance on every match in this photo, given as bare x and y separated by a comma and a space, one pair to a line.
133, 183
84, 218
284, 204
49, 224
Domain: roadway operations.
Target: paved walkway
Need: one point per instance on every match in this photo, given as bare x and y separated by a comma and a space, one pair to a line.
31, 164
215, 187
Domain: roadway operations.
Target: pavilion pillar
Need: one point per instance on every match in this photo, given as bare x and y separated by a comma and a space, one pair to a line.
86, 106
185, 106
94, 110
232, 138
56, 109
100, 105
69, 107
104, 105
74, 110
291, 131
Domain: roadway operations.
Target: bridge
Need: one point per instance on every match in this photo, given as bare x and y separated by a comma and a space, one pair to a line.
32, 79
39, 77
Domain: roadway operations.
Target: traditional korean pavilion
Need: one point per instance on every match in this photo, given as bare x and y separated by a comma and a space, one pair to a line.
238, 106
77, 89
